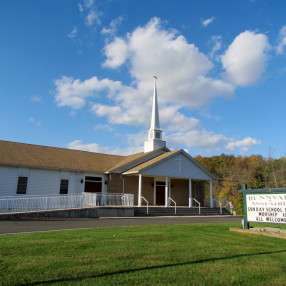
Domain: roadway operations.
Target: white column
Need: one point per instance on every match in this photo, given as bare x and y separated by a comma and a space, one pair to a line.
104, 192
140, 190
211, 195
166, 192
190, 194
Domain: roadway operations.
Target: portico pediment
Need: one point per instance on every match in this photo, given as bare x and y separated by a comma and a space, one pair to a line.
177, 164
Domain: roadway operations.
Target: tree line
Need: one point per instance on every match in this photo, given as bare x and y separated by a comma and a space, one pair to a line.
256, 171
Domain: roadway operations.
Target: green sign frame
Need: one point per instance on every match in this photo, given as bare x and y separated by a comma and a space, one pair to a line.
259, 192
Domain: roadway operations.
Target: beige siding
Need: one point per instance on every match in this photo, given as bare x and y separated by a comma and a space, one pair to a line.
180, 192
115, 184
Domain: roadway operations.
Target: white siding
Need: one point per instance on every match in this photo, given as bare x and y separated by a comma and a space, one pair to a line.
178, 166
8, 181
40, 181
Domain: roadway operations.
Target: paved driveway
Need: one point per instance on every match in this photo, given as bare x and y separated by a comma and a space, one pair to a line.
33, 225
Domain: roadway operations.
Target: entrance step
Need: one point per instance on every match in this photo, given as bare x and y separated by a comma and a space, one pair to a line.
181, 211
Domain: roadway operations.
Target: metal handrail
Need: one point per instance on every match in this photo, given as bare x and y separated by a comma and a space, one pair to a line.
147, 204
231, 207
174, 203
220, 205
227, 204
199, 205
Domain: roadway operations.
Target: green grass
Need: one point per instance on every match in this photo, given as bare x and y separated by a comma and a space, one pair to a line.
194, 254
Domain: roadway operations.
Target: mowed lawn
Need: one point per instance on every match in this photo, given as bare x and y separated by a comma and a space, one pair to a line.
190, 254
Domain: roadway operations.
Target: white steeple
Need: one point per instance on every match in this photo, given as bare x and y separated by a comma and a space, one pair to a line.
155, 132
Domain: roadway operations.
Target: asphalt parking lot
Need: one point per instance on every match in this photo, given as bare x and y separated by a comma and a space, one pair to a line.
39, 225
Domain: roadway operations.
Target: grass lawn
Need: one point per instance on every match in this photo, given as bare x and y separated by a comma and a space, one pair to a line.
194, 254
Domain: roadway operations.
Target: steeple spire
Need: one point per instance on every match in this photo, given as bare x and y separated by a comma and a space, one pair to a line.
155, 123
155, 132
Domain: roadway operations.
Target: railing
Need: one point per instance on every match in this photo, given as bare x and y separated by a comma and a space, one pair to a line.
147, 204
227, 205
52, 202
174, 204
198, 204
220, 205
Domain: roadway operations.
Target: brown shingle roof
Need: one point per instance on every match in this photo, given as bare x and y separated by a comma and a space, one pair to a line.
137, 159
151, 162
12, 153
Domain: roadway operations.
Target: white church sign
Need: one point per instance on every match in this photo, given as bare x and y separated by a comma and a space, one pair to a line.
265, 206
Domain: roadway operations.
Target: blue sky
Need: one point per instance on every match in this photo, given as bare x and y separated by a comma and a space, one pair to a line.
78, 74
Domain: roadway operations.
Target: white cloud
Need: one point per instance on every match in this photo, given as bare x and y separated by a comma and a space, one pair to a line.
113, 27
73, 32
34, 121
180, 65
104, 127
116, 53
245, 59
93, 147
246, 142
73, 92
184, 83
86, 4
36, 98
282, 41
91, 13
217, 43
208, 21
93, 17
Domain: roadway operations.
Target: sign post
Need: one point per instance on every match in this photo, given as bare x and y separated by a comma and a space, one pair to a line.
264, 206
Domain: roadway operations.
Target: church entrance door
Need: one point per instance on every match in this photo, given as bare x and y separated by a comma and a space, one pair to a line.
160, 193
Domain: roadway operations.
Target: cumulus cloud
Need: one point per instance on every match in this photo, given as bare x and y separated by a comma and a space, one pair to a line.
116, 53
73, 92
246, 142
184, 83
208, 21
181, 66
282, 41
245, 59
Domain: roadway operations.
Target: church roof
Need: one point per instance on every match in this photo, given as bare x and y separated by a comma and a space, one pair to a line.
151, 162
36, 156
28, 155
134, 160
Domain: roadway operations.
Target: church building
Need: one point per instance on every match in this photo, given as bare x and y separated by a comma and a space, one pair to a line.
158, 175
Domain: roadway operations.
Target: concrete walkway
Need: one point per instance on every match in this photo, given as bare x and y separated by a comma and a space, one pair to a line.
36, 225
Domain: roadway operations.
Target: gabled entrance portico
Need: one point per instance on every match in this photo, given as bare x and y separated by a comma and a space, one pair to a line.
172, 177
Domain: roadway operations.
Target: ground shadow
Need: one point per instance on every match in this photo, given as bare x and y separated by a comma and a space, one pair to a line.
157, 267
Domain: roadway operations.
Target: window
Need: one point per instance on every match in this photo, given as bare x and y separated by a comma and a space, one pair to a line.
158, 135
93, 179
22, 185
64, 188
93, 184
